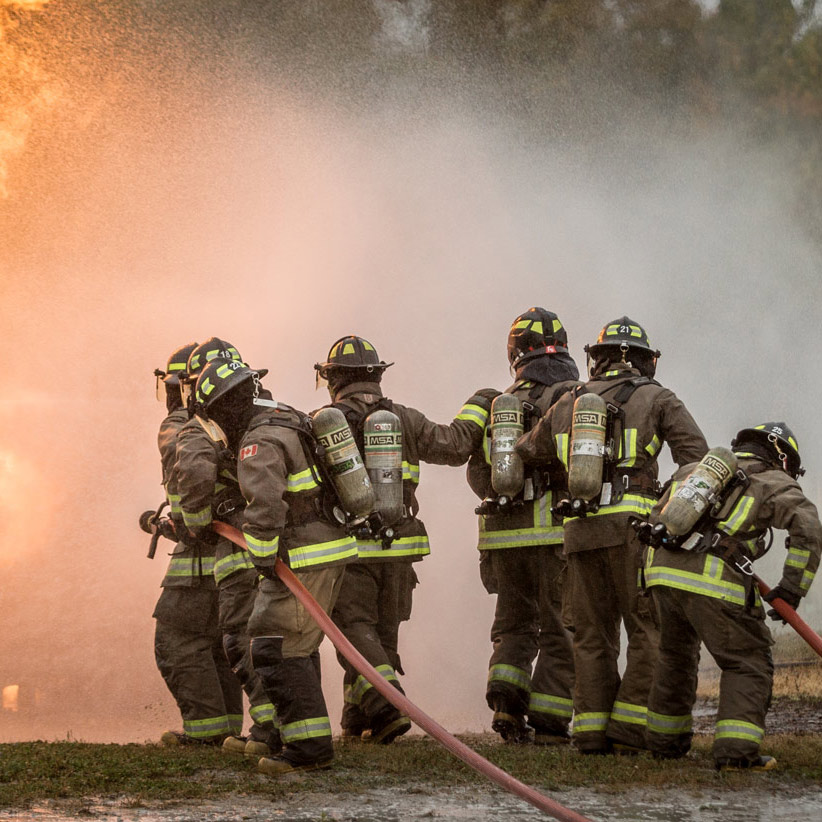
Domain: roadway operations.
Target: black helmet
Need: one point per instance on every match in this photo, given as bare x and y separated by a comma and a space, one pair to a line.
217, 378
352, 352
778, 437
623, 334
535, 332
212, 349
176, 365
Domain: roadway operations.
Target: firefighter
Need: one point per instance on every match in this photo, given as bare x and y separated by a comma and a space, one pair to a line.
187, 642
206, 478
708, 594
377, 590
604, 553
521, 555
282, 520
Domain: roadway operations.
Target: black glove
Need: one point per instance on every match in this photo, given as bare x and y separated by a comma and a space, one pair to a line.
484, 397
266, 571
786, 596
204, 533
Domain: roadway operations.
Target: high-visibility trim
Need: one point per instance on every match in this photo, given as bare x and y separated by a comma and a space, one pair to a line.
797, 557
629, 504
511, 675
302, 481
563, 443
418, 546
736, 519
235, 723
195, 519
226, 566
322, 553
302, 729
653, 446
354, 693
629, 713
591, 722
486, 446
219, 486
542, 511
204, 728
474, 413
262, 713
519, 537
262, 548
628, 454
410, 472
738, 729
669, 724
174, 503
695, 583
550, 704
180, 567
807, 579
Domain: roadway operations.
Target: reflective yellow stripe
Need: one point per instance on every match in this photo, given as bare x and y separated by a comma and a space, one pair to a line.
303, 481
807, 579
550, 704
410, 472
695, 583
653, 446
797, 557
737, 729
585, 723
354, 693
418, 546
322, 553
628, 448
180, 567
670, 725
562, 448
629, 713
226, 566
174, 503
510, 674
629, 504
204, 728
194, 519
474, 413
305, 729
262, 548
733, 524
262, 713
519, 537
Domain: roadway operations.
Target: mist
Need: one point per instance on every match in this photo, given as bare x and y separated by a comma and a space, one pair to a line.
169, 175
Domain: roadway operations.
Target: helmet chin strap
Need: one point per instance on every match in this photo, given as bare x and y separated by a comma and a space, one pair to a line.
783, 457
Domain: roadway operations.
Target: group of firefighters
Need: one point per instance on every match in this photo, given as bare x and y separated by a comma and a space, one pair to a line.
576, 539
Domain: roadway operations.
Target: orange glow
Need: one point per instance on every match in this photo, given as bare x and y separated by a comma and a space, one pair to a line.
10, 695
27, 89
19, 485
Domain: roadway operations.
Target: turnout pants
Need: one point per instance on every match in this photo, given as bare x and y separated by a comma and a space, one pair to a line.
237, 593
605, 592
189, 654
739, 641
284, 652
528, 626
374, 599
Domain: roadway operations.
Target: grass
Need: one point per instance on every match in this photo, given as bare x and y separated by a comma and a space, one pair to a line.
137, 774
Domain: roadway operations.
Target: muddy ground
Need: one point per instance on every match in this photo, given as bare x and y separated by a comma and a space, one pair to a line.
778, 798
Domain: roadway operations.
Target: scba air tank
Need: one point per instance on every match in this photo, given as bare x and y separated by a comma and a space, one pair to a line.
698, 490
507, 426
586, 460
343, 461
382, 435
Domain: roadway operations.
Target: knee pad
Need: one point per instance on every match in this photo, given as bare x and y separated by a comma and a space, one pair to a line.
266, 652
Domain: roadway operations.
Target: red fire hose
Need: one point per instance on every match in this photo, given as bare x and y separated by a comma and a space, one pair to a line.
792, 618
400, 701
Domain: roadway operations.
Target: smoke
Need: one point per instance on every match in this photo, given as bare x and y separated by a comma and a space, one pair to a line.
282, 181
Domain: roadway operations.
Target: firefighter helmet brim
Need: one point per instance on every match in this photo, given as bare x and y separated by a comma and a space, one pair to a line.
779, 437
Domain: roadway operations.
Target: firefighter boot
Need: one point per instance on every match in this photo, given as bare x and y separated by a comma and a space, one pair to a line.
388, 724
760, 763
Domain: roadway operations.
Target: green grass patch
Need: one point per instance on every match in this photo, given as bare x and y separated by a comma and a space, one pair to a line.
135, 774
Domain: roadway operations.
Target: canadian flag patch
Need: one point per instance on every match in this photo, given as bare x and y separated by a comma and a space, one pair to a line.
248, 451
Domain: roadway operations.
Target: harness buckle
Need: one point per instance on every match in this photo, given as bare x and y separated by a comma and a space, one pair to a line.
744, 565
